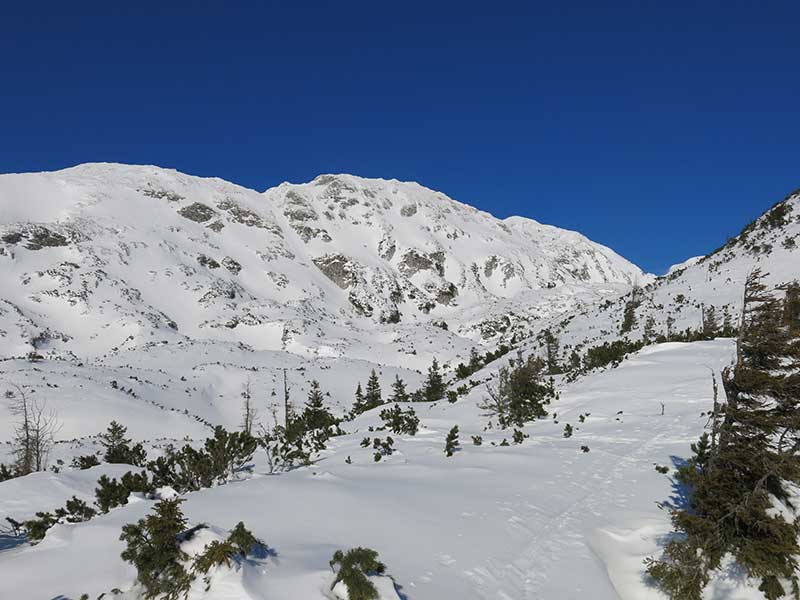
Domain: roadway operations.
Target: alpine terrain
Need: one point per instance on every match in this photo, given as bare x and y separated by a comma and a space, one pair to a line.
362, 389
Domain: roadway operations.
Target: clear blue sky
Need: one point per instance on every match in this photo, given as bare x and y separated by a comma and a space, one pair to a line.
657, 128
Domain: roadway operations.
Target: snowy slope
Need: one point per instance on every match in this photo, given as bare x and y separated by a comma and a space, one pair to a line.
679, 300
102, 258
541, 519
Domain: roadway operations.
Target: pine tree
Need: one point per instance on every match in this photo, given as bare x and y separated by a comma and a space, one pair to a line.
354, 567
315, 416
629, 313
451, 443
360, 403
153, 547
399, 393
710, 323
372, 395
735, 481
649, 329
551, 350
521, 393
118, 447
434, 387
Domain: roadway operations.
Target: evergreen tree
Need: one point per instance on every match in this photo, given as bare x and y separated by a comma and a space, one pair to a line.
360, 404
710, 323
451, 443
649, 329
372, 396
551, 350
434, 387
521, 393
315, 415
735, 481
475, 360
153, 547
354, 567
118, 448
629, 313
400, 421
399, 393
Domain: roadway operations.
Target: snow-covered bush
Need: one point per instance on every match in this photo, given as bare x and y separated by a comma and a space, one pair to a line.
521, 393
169, 557
400, 421
353, 569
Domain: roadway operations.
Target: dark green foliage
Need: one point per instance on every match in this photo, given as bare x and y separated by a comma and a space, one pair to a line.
400, 421
629, 313
399, 393
518, 436
491, 356
111, 493
609, 353
372, 394
521, 393
354, 567
737, 472
584, 449
75, 511
6, 473
360, 404
478, 361
220, 458
153, 547
551, 352
477, 440
242, 539
119, 449
451, 443
315, 417
215, 554
383, 448
434, 388
238, 544
661, 469
710, 323
85, 462
452, 396
567, 430
475, 363
36, 528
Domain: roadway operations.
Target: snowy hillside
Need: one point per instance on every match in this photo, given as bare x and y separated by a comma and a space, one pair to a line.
101, 259
184, 289
163, 301
692, 294
540, 519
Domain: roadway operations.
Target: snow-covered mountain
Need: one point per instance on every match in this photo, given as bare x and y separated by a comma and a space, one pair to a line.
681, 300
104, 259
156, 299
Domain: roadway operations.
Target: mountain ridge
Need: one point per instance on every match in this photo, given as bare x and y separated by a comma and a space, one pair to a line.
262, 266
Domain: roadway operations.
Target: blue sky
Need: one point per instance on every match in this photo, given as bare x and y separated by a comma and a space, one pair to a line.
657, 128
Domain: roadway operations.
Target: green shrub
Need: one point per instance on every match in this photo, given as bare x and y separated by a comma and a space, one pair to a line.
354, 567
153, 547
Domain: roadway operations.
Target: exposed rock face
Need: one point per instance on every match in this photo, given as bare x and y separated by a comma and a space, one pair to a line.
198, 212
339, 269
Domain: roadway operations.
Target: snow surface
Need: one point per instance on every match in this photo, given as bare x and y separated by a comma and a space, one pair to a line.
155, 298
537, 520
